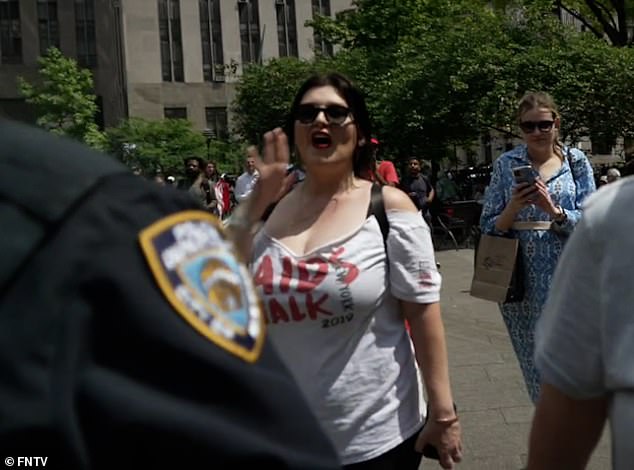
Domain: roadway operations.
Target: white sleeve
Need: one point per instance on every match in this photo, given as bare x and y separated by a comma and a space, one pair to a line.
412, 270
568, 345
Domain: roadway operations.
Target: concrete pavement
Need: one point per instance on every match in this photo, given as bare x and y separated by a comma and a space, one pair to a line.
495, 410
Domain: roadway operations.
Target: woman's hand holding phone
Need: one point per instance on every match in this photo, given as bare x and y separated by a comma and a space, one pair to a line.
541, 198
523, 195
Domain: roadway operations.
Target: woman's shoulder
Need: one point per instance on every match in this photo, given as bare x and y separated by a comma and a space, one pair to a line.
575, 154
395, 199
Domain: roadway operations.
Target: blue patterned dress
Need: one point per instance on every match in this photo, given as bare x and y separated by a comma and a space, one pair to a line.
540, 249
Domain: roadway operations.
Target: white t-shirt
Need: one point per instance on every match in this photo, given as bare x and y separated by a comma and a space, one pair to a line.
244, 185
584, 342
334, 318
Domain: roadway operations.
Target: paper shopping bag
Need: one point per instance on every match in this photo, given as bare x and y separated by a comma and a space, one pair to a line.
498, 274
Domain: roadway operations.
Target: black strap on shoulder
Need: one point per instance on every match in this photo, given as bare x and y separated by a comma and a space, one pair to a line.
377, 208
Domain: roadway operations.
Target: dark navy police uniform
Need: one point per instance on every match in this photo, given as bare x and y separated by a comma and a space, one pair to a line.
129, 333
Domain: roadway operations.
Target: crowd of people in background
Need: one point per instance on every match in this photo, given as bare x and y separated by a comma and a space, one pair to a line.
216, 192
431, 192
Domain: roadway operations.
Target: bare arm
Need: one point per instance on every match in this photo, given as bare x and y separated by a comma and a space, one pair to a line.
430, 197
427, 330
272, 184
565, 431
442, 429
428, 336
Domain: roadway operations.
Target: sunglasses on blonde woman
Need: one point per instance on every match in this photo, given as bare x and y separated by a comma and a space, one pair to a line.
530, 126
335, 114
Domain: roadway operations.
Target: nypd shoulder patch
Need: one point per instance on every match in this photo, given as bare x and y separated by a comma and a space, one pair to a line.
199, 274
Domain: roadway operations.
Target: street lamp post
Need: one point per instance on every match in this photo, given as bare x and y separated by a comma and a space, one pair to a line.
210, 135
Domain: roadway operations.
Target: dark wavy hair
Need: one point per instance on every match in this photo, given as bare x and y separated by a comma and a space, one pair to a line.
355, 101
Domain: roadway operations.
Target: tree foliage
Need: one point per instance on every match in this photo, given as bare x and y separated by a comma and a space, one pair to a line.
264, 94
439, 73
588, 78
609, 19
163, 145
63, 98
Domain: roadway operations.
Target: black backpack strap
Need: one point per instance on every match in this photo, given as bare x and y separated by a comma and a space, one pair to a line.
377, 208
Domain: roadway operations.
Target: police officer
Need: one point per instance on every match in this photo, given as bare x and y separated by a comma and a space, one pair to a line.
129, 332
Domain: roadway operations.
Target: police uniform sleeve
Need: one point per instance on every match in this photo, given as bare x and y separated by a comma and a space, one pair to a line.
137, 340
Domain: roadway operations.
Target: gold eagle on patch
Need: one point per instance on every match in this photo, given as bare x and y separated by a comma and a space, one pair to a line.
199, 274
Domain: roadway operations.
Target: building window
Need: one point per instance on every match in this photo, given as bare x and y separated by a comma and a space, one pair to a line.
211, 34
171, 43
10, 32
249, 30
217, 121
85, 30
47, 24
286, 28
322, 7
175, 113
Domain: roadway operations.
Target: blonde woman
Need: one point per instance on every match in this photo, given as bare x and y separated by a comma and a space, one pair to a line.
541, 214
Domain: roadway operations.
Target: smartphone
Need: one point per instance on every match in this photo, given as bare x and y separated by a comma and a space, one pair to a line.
524, 174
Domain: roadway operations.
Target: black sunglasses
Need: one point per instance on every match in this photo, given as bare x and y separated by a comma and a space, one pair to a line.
335, 114
530, 126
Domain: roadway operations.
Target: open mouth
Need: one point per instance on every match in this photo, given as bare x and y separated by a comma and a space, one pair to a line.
321, 140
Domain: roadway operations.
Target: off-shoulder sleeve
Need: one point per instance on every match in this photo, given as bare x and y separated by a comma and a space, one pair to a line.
412, 266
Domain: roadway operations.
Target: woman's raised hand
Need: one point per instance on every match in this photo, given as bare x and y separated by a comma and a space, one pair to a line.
273, 181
